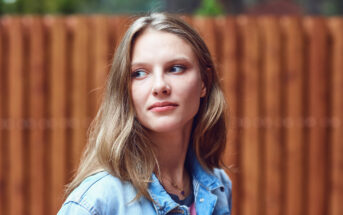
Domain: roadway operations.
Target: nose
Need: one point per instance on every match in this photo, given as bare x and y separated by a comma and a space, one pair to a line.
160, 86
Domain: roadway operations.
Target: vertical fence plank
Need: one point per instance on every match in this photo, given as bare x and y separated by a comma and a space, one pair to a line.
250, 142
100, 63
206, 28
116, 33
36, 114
336, 192
294, 137
272, 114
317, 115
240, 53
2, 121
57, 109
230, 85
15, 112
80, 50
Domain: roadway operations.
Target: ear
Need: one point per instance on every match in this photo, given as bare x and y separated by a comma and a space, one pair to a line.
203, 87
203, 90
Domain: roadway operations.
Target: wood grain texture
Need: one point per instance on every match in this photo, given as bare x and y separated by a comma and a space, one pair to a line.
15, 80
58, 76
3, 130
271, 108
250, 139
205, 26
294, 128
282, 79
37, 110
318, 100
336, 161
230, 83
99, 64
79, 92
116, 34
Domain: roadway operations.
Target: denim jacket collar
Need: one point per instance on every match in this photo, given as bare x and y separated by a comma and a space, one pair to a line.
204, 177
163, 203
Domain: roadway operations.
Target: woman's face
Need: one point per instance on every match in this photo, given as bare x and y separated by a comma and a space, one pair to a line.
166, 81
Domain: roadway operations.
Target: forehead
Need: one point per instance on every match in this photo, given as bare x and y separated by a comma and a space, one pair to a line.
154, 45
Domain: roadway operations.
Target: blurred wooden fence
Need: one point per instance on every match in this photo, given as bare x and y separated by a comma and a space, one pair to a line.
283, 78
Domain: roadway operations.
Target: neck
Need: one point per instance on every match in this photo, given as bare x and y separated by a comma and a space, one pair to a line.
170, 150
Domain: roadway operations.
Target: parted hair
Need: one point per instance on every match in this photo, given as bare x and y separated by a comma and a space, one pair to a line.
119, 144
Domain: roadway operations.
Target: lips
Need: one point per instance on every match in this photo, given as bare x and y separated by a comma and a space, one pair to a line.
162, 106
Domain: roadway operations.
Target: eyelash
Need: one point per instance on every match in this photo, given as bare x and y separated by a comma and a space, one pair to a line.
181, 67
136, 73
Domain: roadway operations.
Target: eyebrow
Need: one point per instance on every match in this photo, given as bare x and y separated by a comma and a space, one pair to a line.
137, 64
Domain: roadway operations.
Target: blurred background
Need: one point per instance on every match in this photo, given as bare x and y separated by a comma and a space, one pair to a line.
280, 63
204, 7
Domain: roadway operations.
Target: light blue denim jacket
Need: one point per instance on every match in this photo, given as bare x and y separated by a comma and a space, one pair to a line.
104, 194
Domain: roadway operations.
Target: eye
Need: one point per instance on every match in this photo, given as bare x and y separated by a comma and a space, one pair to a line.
177, 69
139, 73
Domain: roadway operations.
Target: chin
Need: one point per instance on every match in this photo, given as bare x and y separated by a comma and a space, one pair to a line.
165, 127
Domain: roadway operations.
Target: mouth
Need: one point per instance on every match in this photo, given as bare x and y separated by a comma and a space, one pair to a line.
162, 106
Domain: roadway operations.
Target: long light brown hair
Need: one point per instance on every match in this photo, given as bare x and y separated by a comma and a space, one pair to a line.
118, 143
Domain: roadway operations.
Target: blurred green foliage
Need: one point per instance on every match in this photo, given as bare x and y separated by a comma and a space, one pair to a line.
207, 7
332, 7
210, 8
38, 6
77, 6
120, 6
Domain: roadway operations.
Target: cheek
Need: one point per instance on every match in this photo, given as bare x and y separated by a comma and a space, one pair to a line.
191, 93
192, 88
138, 94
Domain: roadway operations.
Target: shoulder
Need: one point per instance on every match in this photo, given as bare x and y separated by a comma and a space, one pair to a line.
223, 177
101, 185
224, 180
100, 193
225, 196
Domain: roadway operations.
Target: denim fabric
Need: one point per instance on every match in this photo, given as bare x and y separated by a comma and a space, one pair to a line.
104, 194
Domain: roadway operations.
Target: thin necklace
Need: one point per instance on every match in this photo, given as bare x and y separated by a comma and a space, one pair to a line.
181, 190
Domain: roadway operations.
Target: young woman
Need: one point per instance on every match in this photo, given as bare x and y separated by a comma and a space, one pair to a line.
156, 142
